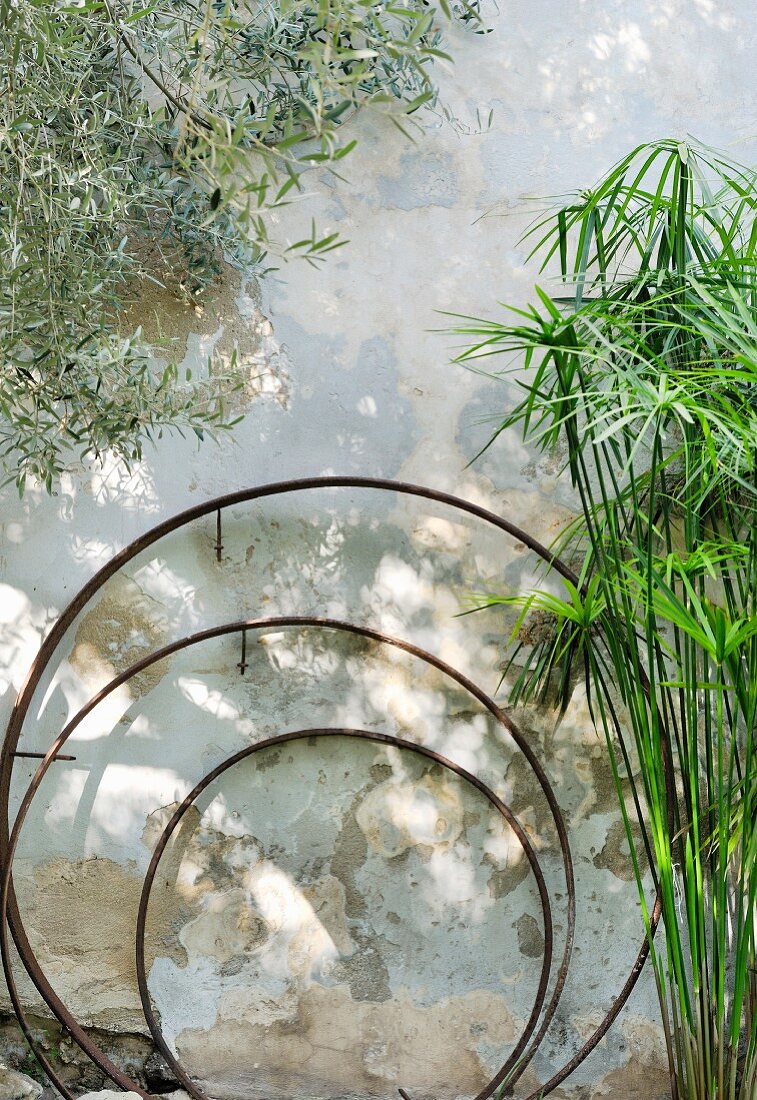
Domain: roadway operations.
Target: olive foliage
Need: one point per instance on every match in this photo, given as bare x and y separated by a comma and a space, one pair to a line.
178, 125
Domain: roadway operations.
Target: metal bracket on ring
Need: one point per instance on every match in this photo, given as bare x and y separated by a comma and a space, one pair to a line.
243, 660
219, 543
40, 756
11, 922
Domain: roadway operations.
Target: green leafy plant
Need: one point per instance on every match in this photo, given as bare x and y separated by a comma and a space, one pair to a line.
30, 1064
643, 371
138, 137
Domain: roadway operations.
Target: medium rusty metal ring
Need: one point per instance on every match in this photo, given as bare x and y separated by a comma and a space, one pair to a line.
300, 735
508, 1071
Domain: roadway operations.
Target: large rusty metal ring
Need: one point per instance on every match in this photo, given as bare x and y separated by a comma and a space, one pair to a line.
10, 918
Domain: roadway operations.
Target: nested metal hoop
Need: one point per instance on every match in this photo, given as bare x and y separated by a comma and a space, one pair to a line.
10, 918
509, 1070
382, 738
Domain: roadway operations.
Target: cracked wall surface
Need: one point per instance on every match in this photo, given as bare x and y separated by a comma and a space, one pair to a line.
337, 919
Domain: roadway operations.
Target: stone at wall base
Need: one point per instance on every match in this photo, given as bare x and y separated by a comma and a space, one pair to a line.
158, 1075
115, 1094
17, 1086
111, 1094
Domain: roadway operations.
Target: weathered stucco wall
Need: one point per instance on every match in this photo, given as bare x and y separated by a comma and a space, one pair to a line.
341, 919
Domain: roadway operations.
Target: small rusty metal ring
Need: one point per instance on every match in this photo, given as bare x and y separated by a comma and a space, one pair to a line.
300, 735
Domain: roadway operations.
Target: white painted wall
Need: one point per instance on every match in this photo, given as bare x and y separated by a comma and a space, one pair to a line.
355, 380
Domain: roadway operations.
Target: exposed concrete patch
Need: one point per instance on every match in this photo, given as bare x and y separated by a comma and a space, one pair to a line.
327, 898
157, 821
227, 929
337, 1047
645, 1075
81, 918
615, 855
576, 757
364, 971
224, 331
504, 879
350, 852
634, 1082
530, 936
212, 873
123, 626
398, 815
528, 802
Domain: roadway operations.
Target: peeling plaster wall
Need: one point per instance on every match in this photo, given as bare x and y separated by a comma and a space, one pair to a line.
339, 919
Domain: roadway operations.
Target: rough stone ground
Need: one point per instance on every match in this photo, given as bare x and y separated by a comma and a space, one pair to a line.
17, 1086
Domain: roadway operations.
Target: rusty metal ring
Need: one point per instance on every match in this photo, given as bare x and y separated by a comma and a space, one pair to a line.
515, 1065
10, 918
300, 735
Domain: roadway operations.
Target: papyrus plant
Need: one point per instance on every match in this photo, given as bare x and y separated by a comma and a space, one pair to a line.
645, 379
